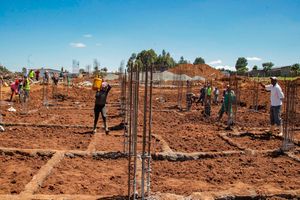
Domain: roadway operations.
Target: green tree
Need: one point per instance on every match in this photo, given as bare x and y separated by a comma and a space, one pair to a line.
4, 69
147, 57
164, 61
267, 67
295, 68
182, 61
81, 71
254, 68
241, 64
130, 62
199, 60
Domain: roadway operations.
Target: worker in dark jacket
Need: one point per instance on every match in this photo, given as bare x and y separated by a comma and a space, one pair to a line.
100, 106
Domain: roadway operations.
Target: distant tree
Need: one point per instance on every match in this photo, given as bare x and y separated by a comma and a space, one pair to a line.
295, 68
104, 69
199, 60
147, 57
164, 61
81, 71
241, 64
4, 69
130, 61
267, 67
182, 61
254, 68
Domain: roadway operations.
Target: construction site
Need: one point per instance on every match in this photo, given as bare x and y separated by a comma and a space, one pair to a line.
161, 143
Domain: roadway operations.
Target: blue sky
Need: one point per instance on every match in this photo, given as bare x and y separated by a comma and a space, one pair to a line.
50, 33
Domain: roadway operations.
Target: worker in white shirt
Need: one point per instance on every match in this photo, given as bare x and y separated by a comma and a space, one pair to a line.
276, 101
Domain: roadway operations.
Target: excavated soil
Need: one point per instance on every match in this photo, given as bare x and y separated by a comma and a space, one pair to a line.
17, 170
260, 172
46, 138
85, 175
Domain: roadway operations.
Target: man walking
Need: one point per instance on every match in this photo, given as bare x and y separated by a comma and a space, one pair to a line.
276, 101
100, 102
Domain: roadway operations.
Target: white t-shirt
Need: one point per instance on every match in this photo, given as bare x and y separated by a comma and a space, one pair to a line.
276, 94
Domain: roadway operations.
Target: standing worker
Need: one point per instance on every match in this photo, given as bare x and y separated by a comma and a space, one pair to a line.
31, 75
101, 96
229, 98
216, 96
276, 101
37, 75
26, 88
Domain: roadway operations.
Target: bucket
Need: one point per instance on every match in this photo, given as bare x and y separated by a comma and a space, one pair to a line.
97, 84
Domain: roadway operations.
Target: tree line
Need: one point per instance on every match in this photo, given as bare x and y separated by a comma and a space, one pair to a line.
161, 62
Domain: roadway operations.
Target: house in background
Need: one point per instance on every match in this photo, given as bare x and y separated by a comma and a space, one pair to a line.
277, 71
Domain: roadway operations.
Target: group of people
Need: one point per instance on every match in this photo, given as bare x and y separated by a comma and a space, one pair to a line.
21, 85
229, 98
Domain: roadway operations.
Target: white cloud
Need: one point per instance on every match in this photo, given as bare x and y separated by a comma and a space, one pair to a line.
225, 67
215, 62
87, 35
98, 44
253, 59
77, 45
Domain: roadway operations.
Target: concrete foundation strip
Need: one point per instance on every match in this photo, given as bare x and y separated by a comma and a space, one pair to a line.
42, 174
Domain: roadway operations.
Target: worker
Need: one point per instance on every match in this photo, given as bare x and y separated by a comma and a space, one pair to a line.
14, 89
216, 95
26, 88
37, 75
101, 96
208, 92
31, 75
46, 77
55, 79
276, 101
202, 95
229, 98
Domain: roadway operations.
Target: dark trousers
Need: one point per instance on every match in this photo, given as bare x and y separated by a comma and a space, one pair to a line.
275, 115
97, 110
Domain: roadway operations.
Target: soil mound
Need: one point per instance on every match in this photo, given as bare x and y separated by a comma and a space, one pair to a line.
202, 70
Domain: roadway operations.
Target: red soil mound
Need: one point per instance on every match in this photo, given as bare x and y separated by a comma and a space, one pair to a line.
191, 70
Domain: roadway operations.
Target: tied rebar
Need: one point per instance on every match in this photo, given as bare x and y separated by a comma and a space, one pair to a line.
291, 115
139, 159
179, 81
255, 90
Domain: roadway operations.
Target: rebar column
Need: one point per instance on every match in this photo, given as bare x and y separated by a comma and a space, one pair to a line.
144, 133
290, 116
135, 125
130, 116
149, 133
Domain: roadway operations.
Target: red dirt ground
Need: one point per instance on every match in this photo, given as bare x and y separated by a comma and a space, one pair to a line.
85, 175
183, 131
224, 173
17, 170
46, 138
